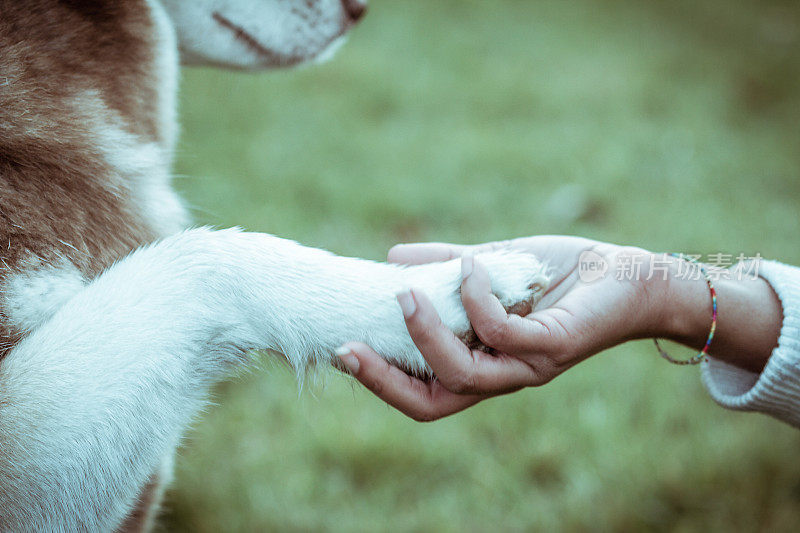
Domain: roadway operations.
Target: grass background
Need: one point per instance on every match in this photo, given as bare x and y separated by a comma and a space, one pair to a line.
677, 122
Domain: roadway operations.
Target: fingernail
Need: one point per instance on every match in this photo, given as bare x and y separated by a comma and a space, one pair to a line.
342, 350
407, 303
467, 265
349, 360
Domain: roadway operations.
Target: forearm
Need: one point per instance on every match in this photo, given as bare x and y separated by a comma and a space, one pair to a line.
749, 318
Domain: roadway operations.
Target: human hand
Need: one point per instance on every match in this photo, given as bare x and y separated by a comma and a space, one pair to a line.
574, 320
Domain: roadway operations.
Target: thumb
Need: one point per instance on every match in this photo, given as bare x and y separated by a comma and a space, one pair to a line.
425, 252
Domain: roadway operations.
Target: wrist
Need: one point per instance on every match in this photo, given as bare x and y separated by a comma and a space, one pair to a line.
750, 324
681, 301
750, 315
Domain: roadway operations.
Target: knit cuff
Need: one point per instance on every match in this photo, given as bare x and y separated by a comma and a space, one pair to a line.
776, 391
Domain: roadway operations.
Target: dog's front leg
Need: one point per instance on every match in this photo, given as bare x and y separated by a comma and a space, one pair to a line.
94, 399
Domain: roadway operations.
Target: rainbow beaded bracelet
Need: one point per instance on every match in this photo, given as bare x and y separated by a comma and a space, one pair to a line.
700, 357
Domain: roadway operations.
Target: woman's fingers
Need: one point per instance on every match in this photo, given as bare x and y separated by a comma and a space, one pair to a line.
493, 325
426, 252
422, 401
536, 342
458, 368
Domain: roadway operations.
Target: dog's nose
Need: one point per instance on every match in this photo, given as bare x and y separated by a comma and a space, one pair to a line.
355, 9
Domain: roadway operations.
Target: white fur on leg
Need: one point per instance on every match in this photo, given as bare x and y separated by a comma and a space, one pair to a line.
94, 398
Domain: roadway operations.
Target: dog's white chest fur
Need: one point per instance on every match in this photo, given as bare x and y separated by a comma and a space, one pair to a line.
33, 296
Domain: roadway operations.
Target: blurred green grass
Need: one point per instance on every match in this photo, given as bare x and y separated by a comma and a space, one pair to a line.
457, 120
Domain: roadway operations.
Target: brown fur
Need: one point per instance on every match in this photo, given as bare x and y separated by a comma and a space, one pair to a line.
58, 197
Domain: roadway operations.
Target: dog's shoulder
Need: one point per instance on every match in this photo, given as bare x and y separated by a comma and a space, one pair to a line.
86, 131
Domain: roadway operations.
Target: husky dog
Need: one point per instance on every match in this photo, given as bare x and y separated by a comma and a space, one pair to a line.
115, 319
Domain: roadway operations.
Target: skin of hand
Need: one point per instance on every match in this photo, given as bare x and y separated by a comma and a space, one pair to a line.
574, 320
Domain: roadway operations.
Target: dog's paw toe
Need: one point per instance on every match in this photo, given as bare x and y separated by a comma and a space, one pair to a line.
518, 280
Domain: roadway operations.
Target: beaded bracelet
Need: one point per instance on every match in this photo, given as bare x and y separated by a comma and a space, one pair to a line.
700, 357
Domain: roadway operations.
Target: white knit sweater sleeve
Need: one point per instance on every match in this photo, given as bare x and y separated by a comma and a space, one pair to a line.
776, 391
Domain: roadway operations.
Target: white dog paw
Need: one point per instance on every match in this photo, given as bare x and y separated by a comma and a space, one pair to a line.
518, 280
